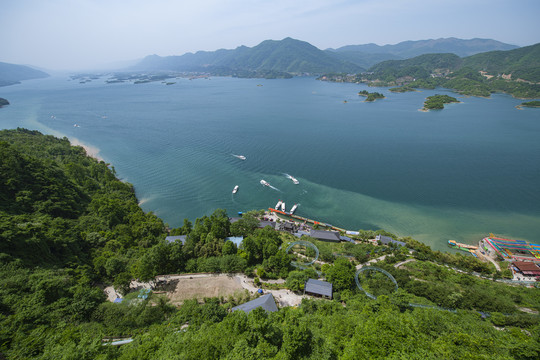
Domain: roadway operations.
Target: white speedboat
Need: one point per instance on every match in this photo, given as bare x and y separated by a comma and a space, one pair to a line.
264, 183
293, 179
293, 209
241, 157
235, 189
283, 206
278, 204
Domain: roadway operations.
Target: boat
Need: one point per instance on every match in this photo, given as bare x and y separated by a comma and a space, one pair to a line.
241, 157
264, 183
235, 189
283, 206
278, 205
294, 180
293, 209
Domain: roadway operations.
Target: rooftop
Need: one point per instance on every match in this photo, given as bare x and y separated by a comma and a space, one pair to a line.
266, 302
325, 235
318, 287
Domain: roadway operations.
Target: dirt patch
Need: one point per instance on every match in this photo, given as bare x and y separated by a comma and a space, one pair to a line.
183, 289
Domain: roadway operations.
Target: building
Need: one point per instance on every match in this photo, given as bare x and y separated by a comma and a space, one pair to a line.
527, 268
267, 302
181, 238
325, 235
263, 224
386, 240
318, 288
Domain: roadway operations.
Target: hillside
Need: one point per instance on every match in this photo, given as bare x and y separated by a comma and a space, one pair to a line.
284, 56
409, 49
522, 63
69, 227
12, 74
516, 72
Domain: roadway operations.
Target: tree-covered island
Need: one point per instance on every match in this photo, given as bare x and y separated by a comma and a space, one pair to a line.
371, 96
402, 89
436, 102
3, 102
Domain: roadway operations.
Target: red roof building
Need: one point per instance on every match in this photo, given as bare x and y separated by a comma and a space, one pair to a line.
527, 268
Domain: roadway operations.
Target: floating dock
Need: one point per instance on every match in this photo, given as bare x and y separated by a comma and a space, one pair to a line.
465, 247
301, 218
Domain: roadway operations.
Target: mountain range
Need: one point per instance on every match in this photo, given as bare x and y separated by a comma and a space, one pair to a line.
298, 57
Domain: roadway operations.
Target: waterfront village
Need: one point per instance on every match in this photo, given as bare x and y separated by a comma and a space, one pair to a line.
520, 259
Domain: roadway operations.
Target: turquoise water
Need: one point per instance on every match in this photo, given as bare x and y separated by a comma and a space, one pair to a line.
460, 173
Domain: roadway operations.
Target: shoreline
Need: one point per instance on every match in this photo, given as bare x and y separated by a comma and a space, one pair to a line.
91, 151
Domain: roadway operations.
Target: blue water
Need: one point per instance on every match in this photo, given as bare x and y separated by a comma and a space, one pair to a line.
460, 173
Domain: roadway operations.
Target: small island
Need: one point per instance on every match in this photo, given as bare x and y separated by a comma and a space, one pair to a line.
371, 96
436, 102
402, 89
3, 102
531, 104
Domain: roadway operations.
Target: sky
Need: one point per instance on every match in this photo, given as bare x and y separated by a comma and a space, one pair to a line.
87, 34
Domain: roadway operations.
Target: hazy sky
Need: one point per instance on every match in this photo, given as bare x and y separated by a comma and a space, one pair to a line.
79, 34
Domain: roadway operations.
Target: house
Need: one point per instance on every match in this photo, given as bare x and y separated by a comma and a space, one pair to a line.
267, 302
386, 240
318, 288
286, 226
527, 268
181, 238
325, 235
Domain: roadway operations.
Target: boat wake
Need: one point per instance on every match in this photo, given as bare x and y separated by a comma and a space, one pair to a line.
290, 177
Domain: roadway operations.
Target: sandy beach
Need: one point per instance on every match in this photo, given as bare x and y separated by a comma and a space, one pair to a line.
90, 150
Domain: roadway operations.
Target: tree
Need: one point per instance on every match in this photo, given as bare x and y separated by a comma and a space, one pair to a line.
341, 274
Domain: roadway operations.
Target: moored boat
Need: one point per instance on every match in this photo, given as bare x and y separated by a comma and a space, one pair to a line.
283, 206
278, 205
293, 209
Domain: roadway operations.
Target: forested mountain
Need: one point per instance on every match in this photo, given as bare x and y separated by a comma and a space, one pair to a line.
287, 56
418, 67
522, 63
68, 227
12, 74
408, 49
516, 72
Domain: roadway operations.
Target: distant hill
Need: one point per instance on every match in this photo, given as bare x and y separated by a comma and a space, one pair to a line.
11, 74
287, 55
409, 49
362, 59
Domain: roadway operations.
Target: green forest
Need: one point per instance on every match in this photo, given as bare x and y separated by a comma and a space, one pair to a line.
69, 227
436, 102
371, 96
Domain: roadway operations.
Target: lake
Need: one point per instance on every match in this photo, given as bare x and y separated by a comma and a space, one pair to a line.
460, 173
